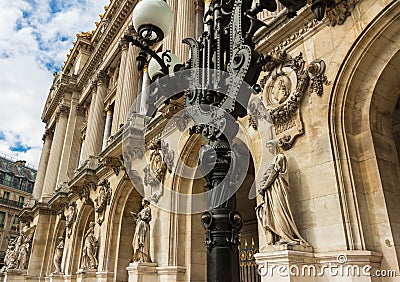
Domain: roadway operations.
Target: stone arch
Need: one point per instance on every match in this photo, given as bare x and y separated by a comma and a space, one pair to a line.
120, 229
85, 216
361, 137
192, 236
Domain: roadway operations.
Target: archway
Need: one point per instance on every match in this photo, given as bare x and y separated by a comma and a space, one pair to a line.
366, 160
120, 230
85, 216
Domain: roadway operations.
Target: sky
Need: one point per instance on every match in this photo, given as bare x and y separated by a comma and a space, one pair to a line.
35, 36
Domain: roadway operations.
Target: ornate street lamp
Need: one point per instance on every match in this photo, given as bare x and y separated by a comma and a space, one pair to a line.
226, 46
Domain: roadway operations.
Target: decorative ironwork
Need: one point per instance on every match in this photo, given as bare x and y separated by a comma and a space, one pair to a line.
219, 72
248, 265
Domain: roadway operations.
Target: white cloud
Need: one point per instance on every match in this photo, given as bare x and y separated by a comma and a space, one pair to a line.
33, 42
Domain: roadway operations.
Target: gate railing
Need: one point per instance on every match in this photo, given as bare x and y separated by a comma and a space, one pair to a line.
248, 265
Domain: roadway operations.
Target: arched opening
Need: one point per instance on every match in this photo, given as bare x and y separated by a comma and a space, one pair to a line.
85, 216
362, 122
60, 232
126, 232
396, 126
120, 228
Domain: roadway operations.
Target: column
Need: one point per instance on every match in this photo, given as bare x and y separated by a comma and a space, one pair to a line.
71, 146
95, 127
107, 128
85, 149
130, 85
44, 160
169, 41
185, 28
199, 11
145, 91
123, 45
55, 153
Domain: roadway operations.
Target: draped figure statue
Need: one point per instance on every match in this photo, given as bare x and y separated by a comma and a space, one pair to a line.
141, 238
274, 213
89, 252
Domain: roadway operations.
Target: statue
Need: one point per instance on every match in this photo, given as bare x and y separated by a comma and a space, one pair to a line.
103, 199
18, 251
71, 217
58, 256
89, 252
274, 212
141, 238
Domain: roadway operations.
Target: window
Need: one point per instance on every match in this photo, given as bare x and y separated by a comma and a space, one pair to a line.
29, 186
8, 180
15, 225
6, 195
16, 182
23, 185
21, 199
2, 218
1, 177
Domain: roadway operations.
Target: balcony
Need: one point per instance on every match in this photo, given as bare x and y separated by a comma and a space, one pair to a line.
11, 203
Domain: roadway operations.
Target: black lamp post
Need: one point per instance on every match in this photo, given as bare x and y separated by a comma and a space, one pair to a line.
225, 47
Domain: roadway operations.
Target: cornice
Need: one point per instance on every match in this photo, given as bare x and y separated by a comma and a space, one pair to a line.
122, 10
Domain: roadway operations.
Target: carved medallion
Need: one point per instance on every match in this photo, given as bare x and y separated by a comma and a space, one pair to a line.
286, 82
161, 160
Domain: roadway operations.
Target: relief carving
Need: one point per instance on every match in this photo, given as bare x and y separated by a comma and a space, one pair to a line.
70, 217
286, 81
274, 213
19, 250
161, 160
103, 200
57, 259
90, 248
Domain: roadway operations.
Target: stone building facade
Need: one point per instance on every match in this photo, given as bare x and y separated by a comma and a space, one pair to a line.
16, 186
341, 142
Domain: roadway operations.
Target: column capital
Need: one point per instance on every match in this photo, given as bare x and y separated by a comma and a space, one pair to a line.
63, 110
48, 135
81, 110
108, 110
123, 44
93, 84
101, 78
199, 6
130, 30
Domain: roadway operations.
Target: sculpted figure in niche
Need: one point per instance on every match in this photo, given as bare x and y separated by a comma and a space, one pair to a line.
58, 256
274, 212
89, 252
141, 238
71, 217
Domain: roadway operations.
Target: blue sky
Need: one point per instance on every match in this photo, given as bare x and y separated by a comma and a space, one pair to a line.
35, 37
